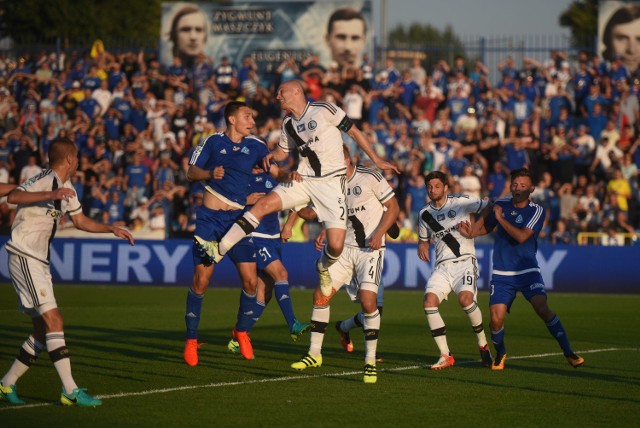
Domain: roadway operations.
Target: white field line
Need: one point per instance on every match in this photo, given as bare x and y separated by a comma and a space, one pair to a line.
289, 378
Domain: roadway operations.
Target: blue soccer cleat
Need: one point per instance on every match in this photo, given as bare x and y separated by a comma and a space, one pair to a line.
10, 395
78, 397
298, 329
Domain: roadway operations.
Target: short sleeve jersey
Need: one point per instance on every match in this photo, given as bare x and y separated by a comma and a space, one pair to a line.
35, 224
238, 159
367, 191
440, 226
317, 137
511, 258
269, 227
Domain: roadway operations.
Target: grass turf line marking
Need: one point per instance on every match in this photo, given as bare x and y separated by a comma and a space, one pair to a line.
288, 378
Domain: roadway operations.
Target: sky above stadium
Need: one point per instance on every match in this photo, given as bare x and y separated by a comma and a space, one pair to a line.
479, 17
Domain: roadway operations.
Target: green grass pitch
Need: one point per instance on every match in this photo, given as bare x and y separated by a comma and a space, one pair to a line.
126, 347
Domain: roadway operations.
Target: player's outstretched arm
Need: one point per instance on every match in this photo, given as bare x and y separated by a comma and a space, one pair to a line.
19, 196
82, 222
362, 141
6, 188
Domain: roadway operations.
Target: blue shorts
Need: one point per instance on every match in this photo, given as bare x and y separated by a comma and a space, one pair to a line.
505, 288
268, 250
211, 225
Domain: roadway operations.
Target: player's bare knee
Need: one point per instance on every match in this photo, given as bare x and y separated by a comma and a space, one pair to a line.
431, 300
465, 299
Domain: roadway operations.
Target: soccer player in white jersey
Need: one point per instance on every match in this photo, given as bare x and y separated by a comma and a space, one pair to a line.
372, 209
314, 129
456, 267
42, 201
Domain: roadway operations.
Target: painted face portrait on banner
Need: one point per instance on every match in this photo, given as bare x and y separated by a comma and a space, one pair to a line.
346, 37
189, 32
620, 33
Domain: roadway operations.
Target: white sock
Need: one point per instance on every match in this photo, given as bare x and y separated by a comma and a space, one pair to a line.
319, 320
475, 318
241, 228
59, 354
325, 260
371, 327
352, 322
30, 350
438, 329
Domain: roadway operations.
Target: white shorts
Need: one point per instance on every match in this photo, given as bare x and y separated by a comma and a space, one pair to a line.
456, 276
361, 266
327, 195
32, 281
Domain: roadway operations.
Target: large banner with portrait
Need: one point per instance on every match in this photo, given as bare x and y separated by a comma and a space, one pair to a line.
619, 32
269, 32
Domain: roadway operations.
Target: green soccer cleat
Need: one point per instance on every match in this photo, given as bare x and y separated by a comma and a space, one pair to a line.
370, 373
325, 280
79, 397
208, 249
233, 346
298, 329
10, 395
307, 361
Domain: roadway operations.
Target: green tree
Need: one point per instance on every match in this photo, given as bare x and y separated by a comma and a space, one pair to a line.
581, 17
425, 37
80, 20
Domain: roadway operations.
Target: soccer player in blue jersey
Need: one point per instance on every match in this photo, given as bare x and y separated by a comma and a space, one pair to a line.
515, 267
272, 275
224, 162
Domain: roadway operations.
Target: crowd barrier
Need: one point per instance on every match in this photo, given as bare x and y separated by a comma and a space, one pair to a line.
169, 263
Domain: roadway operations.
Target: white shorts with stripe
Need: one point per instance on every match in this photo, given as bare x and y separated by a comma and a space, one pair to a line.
453, 275
352, 290
326, 193
32, 281
362, 265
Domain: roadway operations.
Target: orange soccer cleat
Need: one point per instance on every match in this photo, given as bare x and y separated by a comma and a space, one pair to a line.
245, 343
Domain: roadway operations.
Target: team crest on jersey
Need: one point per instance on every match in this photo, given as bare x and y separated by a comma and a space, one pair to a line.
300, 127
223, 151
236, 148
519, 219
268, 185
440, 217
357, 191
451, 214
245, 150
54, 213
313, 125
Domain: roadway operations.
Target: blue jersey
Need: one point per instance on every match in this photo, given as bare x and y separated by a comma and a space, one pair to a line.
238, 159
512, 260
270, 225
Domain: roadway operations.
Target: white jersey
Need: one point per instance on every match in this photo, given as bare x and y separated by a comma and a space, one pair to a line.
440, 226
35, 224
367, 191
317, 137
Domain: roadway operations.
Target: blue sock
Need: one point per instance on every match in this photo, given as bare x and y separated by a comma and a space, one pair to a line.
497, 337
246, 311
192, 317
281, 290
250, 321
557, 330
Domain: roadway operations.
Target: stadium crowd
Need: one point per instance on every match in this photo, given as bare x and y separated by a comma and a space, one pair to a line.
574, 122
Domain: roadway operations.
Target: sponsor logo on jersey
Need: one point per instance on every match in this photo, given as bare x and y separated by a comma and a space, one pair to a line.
519, 219
312, 125
443, 232
245, 150
300, 127
54, 213
223, 151
513, 213
258, 179
451, 214
236, 148
357, 209
440, 217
